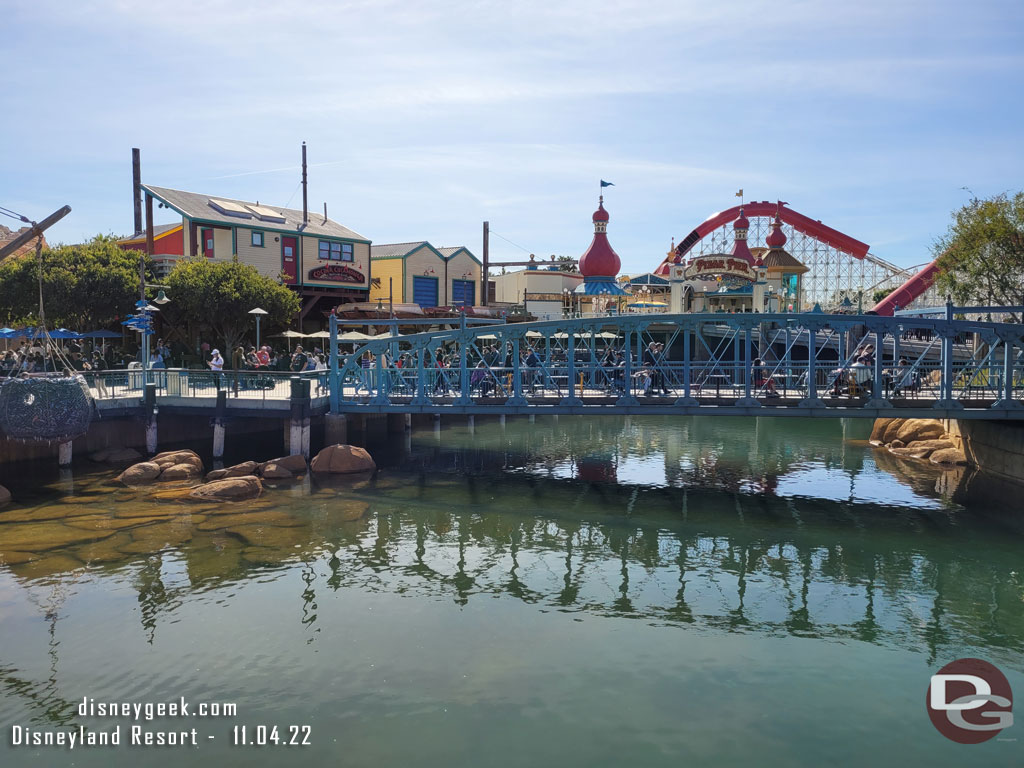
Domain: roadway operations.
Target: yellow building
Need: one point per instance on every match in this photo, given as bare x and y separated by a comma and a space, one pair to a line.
419, 273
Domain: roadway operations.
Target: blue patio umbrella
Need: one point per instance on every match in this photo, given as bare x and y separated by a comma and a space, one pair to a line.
63, 333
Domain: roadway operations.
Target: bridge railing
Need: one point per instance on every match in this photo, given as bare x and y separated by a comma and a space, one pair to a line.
255, 387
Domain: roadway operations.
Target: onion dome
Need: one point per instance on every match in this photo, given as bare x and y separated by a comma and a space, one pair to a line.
740, 249
600, 260
777, 238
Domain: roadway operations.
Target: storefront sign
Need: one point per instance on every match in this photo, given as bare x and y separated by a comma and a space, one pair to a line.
336, 273
706, 267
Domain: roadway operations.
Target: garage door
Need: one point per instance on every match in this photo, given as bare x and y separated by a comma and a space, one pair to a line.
463, 293
424, 291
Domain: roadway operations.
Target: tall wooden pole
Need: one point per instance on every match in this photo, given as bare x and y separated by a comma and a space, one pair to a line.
487, 261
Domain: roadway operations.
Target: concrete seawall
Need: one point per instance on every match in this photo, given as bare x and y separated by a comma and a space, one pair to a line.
996, 447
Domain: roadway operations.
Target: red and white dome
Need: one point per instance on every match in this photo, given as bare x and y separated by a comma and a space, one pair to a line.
600, 260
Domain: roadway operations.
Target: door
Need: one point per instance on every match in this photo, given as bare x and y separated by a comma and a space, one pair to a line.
424, 291
290, 259
208, 243
463, 293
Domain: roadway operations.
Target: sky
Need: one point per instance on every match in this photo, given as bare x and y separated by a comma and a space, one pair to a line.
423, 119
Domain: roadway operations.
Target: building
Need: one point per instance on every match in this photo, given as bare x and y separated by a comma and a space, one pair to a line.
600, 291
418, 273
761, 280
325, 262
542, 290
168, 246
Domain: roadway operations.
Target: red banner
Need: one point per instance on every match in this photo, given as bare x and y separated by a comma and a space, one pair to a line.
336, 273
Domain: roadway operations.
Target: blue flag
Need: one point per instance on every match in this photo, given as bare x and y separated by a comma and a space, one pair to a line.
606, 184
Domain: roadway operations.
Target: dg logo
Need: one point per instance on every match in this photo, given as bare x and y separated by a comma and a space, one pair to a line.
970, 701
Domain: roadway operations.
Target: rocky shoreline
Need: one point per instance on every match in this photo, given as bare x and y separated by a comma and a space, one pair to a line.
922, 439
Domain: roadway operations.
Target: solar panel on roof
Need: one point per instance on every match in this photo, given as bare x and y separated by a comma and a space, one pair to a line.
229, 208
265, 214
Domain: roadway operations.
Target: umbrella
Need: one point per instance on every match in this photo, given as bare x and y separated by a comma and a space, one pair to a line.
319, 335
292, 335
607, 335
647, 304
354, 336
534, 335
491, 336
63, 333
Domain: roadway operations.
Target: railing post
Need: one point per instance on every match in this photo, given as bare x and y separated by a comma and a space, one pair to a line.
747, 400
517, 384
878, 398
627, 372
381, 398
464, 394
421, 398
570, 356
687, 399
1007, 400
334, 379
812, 400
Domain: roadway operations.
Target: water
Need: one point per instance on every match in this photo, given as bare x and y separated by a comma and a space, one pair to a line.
703, 591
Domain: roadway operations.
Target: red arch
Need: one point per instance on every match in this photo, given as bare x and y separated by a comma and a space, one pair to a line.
798, 221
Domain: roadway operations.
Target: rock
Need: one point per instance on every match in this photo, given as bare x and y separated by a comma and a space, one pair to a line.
948, 456
140, 474
897, 444
238, 470
342, 459
229, 489
296, 463
5, 495
274, 471
891, 430
180, 472
170, 458
929, 445
920, 429
878, 431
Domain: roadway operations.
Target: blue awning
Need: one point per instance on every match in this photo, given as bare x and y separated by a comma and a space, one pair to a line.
599, 286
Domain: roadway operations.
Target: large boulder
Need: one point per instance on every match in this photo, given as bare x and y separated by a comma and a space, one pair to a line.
342, 460
891, 430
296, 463
878, 431
948, 456
180, 472
5, 495
238, 470
274, 471
229, 489
140, 474
920, 429
170, 458
923, 448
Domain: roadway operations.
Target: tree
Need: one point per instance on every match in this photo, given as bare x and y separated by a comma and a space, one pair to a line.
217, 296
880, 294
84, 286
981, 256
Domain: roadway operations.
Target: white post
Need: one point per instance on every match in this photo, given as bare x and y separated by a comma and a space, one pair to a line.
151, 435
64, 454
218, 438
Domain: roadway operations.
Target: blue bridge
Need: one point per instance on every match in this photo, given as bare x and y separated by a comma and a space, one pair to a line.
812, 364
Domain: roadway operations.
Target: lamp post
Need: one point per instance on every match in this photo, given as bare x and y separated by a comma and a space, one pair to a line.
257, 313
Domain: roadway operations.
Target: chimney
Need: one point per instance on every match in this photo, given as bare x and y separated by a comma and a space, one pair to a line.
137, 189
305, 203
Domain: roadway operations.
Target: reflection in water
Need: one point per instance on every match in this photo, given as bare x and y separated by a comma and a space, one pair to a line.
767, 528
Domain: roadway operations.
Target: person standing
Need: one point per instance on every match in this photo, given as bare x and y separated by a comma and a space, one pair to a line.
299, 360
237, 363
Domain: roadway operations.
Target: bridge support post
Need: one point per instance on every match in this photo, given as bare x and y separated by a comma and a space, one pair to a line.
571, 397
747, 401
464, 395
878, 399
812, 400
501, 420
437, 426
408, 422
218, 438
334, 378
151, 440
335, 428
946, 401
298, 424
421, 397
64, 454
471, 424
687, 399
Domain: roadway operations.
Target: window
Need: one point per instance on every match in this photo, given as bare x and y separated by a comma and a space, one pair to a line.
257, 239
333, 251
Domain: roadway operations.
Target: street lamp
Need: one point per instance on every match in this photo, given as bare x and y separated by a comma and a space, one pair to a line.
257, 313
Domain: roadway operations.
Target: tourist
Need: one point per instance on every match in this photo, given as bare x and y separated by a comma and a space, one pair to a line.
99, 365
263, 357
299, 360
216, 362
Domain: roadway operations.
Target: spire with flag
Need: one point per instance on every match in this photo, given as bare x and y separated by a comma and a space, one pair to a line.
740, 196
606, 184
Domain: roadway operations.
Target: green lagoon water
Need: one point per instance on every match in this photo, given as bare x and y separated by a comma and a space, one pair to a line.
601, 592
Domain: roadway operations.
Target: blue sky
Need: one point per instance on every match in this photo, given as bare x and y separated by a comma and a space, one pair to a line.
424, 119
